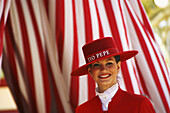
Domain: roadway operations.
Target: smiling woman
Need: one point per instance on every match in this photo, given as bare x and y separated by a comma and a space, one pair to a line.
103, 63
104, 73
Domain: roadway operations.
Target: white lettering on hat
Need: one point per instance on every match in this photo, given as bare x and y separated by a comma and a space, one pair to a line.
91, 58
98, 55
106, 52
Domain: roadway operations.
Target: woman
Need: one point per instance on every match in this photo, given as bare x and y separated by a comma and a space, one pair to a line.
103, 63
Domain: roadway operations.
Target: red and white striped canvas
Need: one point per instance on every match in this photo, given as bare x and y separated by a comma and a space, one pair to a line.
4, 10
42, 45
30, 61
24, 50
153, 72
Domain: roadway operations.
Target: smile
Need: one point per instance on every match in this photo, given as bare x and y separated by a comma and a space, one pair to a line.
104, 76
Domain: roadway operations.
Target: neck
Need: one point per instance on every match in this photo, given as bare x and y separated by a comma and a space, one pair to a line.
104, 88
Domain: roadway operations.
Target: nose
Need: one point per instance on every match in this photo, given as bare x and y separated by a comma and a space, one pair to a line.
103, 67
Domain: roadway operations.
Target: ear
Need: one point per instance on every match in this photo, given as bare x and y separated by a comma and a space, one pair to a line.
118, 66
89, 70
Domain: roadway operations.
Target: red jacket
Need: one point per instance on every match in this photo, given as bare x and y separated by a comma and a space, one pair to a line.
122, 102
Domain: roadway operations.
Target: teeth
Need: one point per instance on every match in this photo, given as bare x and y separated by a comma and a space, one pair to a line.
103, 76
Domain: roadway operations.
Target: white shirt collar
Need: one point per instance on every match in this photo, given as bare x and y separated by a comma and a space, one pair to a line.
107, 96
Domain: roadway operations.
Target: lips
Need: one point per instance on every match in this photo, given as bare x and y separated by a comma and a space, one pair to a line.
104, 76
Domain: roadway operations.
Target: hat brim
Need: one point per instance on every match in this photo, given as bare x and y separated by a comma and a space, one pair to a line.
83, 70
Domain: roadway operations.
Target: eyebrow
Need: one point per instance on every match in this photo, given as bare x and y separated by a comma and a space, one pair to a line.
106, 60
110, 59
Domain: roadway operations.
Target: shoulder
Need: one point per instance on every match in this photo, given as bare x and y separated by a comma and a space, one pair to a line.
89, 105
135, 97
141, 102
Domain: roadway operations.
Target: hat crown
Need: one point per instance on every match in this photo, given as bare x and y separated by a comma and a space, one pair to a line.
99, 48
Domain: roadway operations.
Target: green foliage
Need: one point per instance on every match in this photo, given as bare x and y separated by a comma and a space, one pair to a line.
2, 74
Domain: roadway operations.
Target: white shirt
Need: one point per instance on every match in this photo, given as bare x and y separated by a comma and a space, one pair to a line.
107, 96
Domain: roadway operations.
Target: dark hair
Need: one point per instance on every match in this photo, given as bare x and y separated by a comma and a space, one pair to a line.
117, 58
89, 65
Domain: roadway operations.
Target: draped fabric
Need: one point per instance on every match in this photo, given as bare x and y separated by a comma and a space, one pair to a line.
42, 45
4, 10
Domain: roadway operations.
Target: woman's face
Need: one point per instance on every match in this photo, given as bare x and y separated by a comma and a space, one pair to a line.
104, 72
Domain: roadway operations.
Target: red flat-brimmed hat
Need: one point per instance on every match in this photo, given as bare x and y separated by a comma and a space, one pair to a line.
100, 49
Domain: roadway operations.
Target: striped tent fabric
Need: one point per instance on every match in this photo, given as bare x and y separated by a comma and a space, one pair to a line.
4, 10
153, 73
30, 60
42, 45
24, 62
